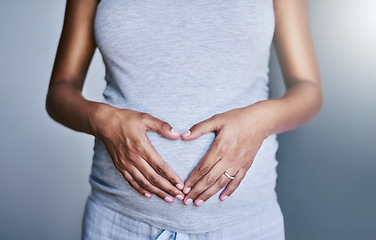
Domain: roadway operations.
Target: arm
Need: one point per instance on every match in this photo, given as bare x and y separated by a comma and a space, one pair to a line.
64, 102
240, 132
297, 57
123, 131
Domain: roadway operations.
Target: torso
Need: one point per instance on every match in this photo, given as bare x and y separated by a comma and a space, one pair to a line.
182, 62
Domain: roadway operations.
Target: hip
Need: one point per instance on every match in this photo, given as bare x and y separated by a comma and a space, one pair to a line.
100, 222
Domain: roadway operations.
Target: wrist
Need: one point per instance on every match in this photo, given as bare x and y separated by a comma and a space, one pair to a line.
98, 115
266, 113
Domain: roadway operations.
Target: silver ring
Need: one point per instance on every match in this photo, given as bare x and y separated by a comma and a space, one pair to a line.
229, 176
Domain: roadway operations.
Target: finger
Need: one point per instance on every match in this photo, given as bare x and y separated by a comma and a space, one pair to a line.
208, 180
211, 124
157, 180
161, 127
208, 193
203, 167
233, 185
145, 184
160, 166
135, 185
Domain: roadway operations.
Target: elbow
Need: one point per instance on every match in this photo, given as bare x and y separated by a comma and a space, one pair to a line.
321, 103
52, 101
48, 105
319, 99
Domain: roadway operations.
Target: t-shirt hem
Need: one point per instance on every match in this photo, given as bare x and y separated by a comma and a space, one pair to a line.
172, 226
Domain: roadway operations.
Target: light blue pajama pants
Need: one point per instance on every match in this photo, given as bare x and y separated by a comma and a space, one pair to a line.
101, 223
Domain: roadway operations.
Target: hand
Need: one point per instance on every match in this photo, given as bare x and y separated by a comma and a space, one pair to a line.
124, 134
239, 134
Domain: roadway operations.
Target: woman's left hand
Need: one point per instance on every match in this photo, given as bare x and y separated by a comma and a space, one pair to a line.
239, 134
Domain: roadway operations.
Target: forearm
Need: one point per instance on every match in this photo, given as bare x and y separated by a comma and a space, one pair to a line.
301, 102
66, 105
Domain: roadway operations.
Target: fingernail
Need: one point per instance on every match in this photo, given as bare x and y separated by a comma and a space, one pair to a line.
148, 195
189, 201
174, 132
199, 202
180, 197
169, 199
224, 198
179, 186
187, 133
186, 191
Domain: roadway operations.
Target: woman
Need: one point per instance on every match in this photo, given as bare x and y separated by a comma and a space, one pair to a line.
186, 113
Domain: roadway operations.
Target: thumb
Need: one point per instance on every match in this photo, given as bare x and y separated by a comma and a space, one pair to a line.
161, 127
201, 128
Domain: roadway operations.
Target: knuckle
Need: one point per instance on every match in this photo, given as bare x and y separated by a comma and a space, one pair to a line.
193, 194
205, 197
143, 184
230, 191
153, 179
237, 182
202, 169
210, 180
118, 166
216, 117
222, 149
138, 146
165, 126
231, 188
161, 169
172, 192
133, 183
195, 127
144, 116
222, 184
131, 156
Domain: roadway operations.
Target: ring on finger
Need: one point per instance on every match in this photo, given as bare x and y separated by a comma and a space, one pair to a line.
229, 176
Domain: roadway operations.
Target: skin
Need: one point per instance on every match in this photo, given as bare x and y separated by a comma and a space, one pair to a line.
239, 132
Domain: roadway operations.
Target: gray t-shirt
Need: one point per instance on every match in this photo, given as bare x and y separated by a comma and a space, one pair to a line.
182, 62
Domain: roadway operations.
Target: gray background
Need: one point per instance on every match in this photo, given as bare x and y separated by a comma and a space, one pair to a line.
327, 169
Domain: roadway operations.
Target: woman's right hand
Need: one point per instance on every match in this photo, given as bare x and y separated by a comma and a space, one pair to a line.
124, 134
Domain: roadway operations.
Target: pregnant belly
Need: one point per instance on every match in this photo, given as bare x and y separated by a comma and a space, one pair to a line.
256, 188
182, 156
